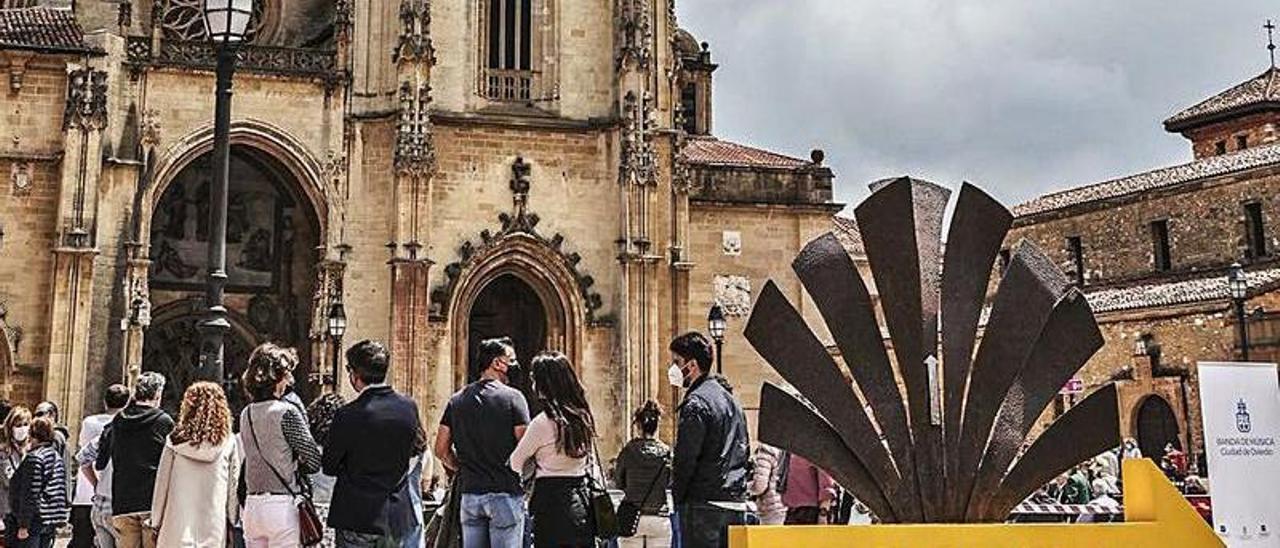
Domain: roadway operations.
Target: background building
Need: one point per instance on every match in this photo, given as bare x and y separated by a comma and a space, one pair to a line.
447, 170
1152, 253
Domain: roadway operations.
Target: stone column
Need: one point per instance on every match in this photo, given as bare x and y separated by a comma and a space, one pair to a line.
84, 118
415, 162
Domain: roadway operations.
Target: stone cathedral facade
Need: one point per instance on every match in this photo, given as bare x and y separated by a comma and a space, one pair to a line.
447, 169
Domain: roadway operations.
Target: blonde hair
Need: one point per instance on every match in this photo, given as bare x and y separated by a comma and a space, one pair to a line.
204, 417
16, 415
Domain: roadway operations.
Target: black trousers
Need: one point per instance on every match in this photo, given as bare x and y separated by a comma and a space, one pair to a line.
802, 515
705, 526
82, 533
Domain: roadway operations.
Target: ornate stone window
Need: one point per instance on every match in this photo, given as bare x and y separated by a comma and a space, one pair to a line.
515, 38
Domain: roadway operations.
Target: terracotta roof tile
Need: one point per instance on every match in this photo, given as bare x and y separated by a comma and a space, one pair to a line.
1212, 166
41, 28
709, 151
1208, 288
1259, 90
846, 230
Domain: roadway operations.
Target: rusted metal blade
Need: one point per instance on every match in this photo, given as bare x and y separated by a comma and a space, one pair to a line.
833, 281
978, 227
788, 423
1025, 299
1086, 430
901, 227
1068, 340
781, 336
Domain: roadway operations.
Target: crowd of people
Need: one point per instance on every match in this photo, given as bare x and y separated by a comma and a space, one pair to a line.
351, 474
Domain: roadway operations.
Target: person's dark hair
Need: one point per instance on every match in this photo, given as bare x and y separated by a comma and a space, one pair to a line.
148, 387
48, 409
489, 350
5, 407
564, 402
268, 364
694, 346
321, 413
42, 430
647, 417
369, 360
116, 396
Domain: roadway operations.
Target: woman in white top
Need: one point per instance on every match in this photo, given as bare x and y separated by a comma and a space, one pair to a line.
559, 441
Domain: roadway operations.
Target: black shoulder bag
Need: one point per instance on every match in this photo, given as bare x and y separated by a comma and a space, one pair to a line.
604, 516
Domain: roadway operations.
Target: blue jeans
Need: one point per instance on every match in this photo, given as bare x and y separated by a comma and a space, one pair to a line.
492, 520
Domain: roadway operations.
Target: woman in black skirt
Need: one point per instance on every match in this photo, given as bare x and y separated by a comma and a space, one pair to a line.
559, 443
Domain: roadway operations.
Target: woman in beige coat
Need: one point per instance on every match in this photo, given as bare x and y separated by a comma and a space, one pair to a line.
195, 493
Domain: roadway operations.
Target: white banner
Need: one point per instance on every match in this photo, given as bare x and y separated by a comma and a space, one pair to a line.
1240, 403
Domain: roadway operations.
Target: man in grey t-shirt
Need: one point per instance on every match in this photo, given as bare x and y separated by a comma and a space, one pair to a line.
479, 430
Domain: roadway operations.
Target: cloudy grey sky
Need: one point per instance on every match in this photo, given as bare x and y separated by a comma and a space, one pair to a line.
1021, 97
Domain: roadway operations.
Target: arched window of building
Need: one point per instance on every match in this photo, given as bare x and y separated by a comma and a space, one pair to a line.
510, 50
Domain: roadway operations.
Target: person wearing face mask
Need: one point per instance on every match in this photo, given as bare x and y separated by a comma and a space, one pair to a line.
278, 450
371, 441
38, 492
712, 461
478, 432
15, 440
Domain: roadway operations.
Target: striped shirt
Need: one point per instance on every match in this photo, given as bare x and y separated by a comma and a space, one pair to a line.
38, 493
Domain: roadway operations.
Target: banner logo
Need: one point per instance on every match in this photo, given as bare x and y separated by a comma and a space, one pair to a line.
1242, 418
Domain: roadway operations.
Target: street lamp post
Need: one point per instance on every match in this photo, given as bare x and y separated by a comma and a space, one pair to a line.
337, 328
226, 22
1239, 287
716, 325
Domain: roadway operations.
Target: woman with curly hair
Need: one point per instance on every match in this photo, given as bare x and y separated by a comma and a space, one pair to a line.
195, 492
279, 452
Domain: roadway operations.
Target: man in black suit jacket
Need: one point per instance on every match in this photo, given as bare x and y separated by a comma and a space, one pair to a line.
370, 444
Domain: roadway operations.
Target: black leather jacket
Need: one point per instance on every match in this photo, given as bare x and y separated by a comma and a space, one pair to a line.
712, 461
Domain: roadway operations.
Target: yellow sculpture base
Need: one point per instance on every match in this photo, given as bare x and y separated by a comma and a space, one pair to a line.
1155, 513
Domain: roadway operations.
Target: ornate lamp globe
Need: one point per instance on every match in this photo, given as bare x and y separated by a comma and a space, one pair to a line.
716, 322
227, 21
337, 320
1237, 283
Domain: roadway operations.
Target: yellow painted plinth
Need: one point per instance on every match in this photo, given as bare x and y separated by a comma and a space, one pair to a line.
1155, 513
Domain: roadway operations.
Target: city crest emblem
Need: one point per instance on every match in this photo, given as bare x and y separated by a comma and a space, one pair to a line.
1242, 418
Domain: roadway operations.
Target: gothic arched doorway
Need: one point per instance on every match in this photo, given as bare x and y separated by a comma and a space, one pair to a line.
1157, 426
272, 234
508, 307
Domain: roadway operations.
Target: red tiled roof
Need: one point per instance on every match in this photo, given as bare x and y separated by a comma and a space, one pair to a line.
1212, 166
41, 29
710, 151
1207, 288
846, 230
1259, 91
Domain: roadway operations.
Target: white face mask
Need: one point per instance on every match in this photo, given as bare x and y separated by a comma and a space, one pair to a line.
20, 433
675, 376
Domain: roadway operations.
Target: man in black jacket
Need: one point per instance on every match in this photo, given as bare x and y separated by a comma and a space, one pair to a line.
368, 451
712, 463
132, 443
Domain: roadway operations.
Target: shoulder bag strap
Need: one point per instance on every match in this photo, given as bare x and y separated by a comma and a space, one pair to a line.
253, 434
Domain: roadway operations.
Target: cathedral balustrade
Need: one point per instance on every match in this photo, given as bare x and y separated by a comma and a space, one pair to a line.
274, 60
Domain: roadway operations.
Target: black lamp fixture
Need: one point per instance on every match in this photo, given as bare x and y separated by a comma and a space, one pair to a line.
716, 325
1238, 286
337, 328
227, 21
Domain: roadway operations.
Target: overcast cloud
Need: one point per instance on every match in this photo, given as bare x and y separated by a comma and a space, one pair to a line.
1021, 97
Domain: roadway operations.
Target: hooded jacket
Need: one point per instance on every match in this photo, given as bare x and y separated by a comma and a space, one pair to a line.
132, 443
195, 493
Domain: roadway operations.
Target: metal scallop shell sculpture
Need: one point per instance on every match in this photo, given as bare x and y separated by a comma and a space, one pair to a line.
953, 447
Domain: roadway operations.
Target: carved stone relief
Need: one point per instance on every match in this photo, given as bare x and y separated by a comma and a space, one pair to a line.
734, 294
